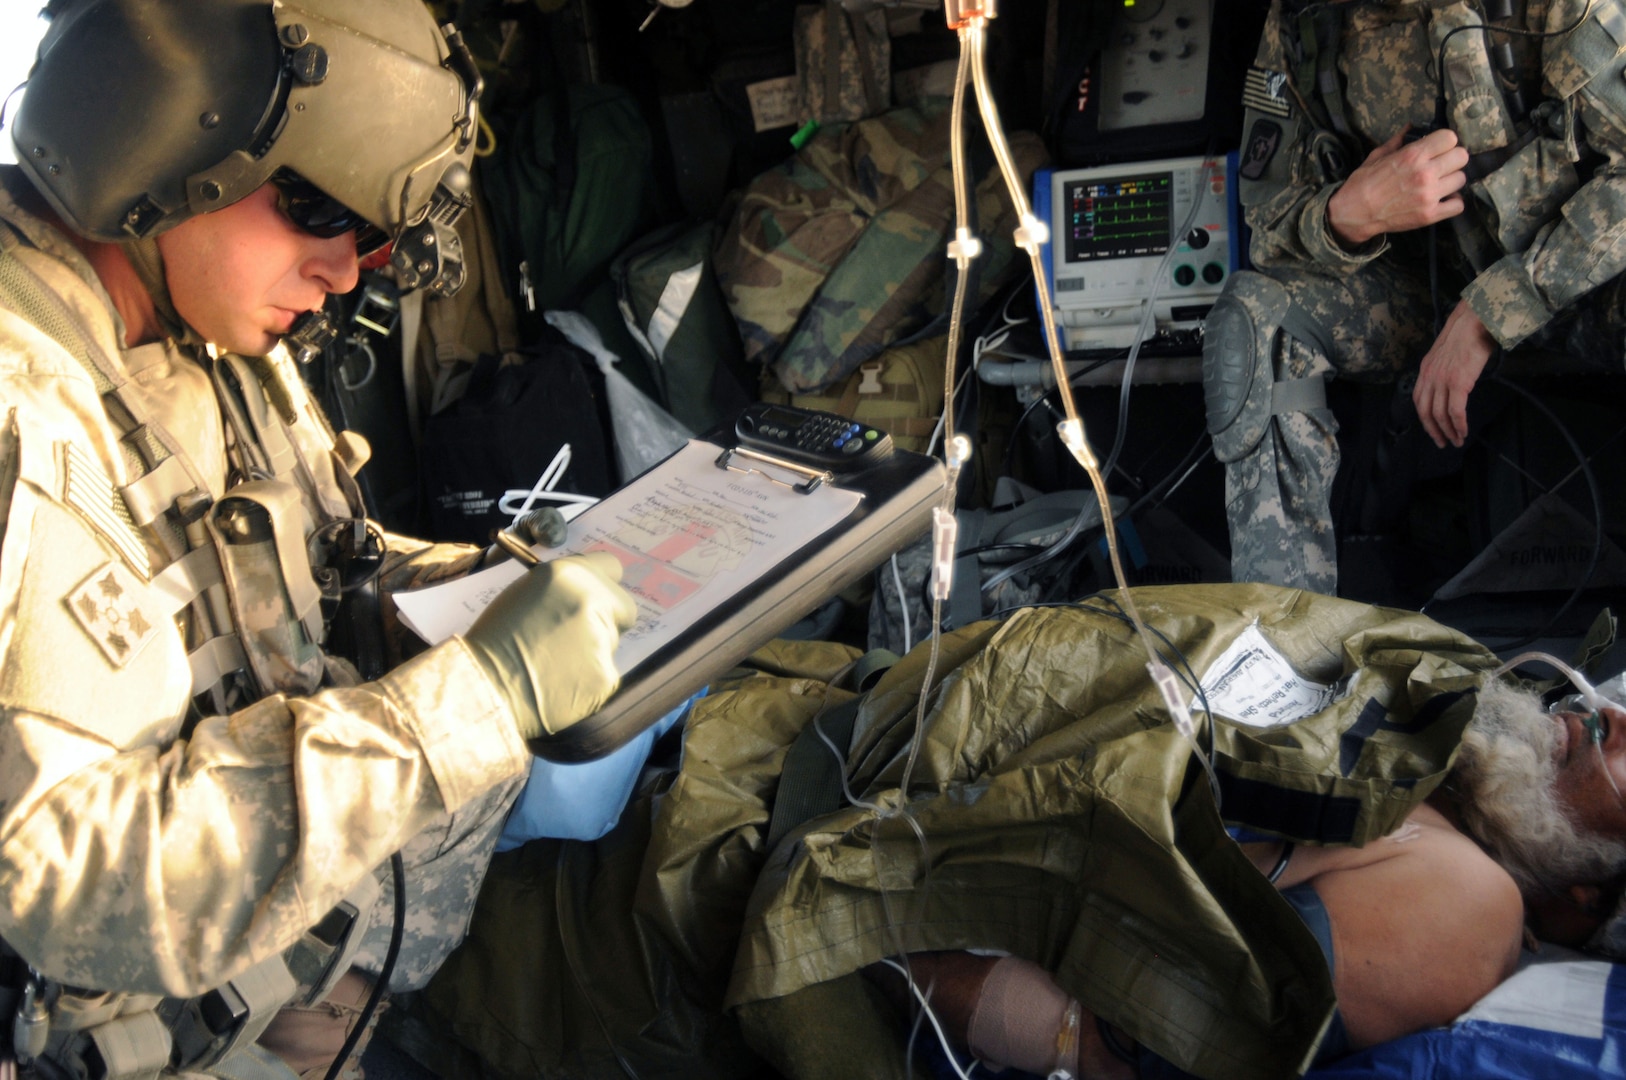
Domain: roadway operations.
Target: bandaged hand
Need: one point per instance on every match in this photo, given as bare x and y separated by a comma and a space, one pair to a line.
1400, 187
548, 641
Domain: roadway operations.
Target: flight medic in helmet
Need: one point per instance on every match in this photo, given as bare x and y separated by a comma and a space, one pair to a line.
199, 798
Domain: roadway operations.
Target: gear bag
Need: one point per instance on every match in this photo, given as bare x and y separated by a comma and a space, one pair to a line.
505, 431
673, 308
838, 253
899, 391
572, 185
843, 62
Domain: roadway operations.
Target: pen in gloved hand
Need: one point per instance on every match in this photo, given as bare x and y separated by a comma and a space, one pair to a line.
544, 525
516, 547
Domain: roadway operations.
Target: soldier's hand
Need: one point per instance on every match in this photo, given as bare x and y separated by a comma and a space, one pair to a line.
548, 640
1400, 186
1448, 373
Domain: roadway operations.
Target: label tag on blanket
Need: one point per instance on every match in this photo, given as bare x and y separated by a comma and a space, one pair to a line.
1254, 684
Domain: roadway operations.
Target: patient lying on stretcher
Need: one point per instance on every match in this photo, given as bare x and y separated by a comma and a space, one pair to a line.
1068, 825
1416, 927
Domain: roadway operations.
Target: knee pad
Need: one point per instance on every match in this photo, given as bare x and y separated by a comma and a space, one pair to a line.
1239, 341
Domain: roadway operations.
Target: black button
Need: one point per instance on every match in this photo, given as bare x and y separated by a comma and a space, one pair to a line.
1197, 238
1213, 273
1184, 275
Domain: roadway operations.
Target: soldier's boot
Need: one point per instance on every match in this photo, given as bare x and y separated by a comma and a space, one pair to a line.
1264, 367
308, 1037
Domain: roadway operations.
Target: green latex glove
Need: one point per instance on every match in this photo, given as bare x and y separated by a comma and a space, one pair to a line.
548, 640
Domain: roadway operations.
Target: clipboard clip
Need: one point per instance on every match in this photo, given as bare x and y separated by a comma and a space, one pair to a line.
815, 477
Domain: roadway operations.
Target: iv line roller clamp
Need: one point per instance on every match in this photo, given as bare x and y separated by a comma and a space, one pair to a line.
805, 451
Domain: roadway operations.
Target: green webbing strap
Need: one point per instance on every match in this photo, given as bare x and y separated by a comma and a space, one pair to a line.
23, 292
1298, 395
1316, 74
869, 668
1332, 93
810, 783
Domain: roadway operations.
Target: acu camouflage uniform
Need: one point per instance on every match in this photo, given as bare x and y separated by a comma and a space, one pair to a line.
1544, 225
188, 783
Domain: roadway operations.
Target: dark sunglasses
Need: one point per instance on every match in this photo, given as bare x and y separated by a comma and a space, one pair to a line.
319, 214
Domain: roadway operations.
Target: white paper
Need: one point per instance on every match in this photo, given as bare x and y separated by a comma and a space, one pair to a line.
689, 537
443, 611
773, 103
1254, 684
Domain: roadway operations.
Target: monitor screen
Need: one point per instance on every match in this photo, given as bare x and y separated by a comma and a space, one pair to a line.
1118, 217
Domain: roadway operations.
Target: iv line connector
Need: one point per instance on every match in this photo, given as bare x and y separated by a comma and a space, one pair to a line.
1072, 437
1032, 234
964, 248
961, 13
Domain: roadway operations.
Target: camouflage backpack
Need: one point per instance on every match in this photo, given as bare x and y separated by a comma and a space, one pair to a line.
899, 391
843, 63
840, 251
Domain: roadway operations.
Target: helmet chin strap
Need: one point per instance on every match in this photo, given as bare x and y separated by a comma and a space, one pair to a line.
148, 262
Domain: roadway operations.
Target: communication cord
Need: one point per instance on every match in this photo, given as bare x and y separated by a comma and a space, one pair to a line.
1442, 120
397, 934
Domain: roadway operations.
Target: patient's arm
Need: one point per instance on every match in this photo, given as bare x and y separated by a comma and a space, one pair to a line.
1424, 924
1007, 1011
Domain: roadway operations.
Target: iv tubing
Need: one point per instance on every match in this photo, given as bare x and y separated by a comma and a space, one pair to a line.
1030, 235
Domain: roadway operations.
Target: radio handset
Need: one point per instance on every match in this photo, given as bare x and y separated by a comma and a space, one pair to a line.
825, 440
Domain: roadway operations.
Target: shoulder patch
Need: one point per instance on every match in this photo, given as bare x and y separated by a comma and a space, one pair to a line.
87, 489
113, 608
1264, 139
1266, 91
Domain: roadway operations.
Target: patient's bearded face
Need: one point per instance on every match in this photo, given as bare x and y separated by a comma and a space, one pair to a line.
1537, 792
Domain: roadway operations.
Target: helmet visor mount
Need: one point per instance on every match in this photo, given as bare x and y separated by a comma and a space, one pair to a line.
413, 171
361, 113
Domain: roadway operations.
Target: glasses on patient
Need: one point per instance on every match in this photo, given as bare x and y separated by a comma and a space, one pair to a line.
316, 212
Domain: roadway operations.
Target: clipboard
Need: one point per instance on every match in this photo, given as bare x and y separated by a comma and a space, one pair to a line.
808, 450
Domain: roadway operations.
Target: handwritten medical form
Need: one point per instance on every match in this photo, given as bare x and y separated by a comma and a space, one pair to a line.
689, 536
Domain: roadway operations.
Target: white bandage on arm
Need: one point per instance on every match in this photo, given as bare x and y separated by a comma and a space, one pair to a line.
1023, 1020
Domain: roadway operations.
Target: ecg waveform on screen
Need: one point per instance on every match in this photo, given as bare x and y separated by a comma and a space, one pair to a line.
1119, 217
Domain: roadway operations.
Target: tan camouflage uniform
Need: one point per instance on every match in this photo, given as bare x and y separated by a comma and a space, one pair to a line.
1538, 235
139, 861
